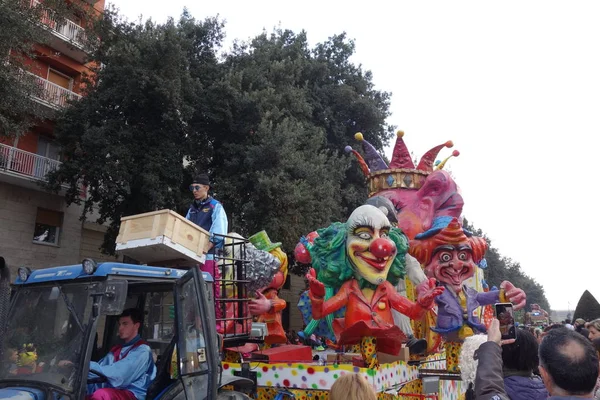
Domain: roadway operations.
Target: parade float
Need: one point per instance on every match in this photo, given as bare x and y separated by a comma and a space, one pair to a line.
395, 289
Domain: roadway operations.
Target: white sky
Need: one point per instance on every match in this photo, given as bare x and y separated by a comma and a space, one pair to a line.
515, 85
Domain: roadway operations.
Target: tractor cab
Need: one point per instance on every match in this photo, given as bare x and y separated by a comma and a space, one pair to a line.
59, 319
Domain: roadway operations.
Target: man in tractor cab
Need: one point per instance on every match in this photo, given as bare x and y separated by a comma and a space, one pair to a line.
128, 368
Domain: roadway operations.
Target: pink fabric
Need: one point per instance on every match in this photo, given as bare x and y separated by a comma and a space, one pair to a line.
211, 267
111, 394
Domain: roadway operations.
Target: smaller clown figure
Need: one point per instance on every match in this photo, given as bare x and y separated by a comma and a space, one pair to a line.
450, 255
267, 305
364, 258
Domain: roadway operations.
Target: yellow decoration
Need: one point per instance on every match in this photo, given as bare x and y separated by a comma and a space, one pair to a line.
400, 134
368, 350
381, 305
452, 353
358, 136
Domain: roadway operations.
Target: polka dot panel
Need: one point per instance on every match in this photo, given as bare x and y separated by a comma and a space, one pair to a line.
451, 390
305, 376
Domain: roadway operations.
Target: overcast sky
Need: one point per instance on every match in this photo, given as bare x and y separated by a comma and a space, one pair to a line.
515, 85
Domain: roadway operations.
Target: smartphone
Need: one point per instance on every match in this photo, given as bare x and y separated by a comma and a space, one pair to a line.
504, 313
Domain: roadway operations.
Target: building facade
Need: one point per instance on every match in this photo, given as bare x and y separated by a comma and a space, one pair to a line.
37, 229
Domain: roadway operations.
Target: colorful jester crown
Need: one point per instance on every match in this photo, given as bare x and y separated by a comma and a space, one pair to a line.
401, 173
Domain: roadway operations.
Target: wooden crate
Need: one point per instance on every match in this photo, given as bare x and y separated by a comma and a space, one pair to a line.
162, 237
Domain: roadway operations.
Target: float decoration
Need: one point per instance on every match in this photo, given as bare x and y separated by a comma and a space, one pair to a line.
267, 305
364, 259
450, 255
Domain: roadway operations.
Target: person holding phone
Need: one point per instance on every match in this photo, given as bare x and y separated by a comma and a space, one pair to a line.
568, 365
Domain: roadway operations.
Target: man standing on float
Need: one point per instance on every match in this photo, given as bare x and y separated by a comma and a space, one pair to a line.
210, 215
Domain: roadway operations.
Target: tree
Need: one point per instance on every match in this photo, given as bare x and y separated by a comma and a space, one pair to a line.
125, 141
587, 308
283, 113
502, 268
21, 33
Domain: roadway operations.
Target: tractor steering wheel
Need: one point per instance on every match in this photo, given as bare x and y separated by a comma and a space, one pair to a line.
101, 378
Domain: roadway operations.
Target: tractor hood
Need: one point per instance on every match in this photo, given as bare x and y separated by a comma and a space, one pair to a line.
21, 393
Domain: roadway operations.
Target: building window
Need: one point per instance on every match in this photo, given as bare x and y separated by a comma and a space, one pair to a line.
47, 227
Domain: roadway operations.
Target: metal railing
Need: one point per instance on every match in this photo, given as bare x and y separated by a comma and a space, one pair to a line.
65, 28
26, 163
56, 96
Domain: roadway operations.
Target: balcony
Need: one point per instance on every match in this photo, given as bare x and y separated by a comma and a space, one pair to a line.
17, 163
53, 95
68, 37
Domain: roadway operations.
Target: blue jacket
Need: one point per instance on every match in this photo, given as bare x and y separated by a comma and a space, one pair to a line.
135, 371
525, 388
210, 215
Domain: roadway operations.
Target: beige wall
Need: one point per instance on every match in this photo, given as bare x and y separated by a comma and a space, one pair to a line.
92, 236
18, 210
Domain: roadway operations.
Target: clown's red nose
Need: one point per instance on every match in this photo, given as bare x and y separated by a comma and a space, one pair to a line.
382, 248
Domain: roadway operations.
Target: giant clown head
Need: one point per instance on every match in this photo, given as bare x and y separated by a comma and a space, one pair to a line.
448, 253
369, 247
420, 194
366, 248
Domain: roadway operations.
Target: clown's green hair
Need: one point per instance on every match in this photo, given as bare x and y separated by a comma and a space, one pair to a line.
330, 260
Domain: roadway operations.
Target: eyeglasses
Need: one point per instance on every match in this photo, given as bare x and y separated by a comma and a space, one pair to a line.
195, 187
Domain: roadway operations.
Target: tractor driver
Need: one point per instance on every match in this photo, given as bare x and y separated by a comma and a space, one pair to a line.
128, 367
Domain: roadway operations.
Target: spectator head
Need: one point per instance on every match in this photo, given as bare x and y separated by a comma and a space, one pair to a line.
594, 329
352, 387
567, 321
579, 322
522, 355
568, 363
584, 332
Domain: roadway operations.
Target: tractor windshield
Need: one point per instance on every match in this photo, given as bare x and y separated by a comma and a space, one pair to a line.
45, 334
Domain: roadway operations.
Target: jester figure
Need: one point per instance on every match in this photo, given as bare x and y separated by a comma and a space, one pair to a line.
364, 258
267, 305
450, 255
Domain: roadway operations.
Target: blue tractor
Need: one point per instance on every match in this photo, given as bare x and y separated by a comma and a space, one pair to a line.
71, 313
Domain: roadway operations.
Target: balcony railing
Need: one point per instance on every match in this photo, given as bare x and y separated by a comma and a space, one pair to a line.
65, 29
52, 94
26, 163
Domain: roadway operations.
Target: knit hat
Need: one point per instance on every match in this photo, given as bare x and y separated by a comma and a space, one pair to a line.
202, 179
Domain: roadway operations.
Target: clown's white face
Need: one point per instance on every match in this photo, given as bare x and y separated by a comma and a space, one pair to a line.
368, 246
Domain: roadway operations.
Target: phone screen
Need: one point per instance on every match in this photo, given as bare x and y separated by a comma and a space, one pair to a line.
504, 313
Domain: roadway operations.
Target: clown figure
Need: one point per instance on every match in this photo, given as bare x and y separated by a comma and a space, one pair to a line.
450, 255
364, 258
267, 305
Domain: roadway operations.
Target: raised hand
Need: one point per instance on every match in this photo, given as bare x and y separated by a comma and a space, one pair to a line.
514, 295
495, 336
260, 305
428, 291
316, 288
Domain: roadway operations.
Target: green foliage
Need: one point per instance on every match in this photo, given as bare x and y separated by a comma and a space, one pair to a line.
20, 30
504, 269
125, 141
268, 122
587, 308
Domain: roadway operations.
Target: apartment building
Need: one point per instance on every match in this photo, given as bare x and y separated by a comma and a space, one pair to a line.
37, 229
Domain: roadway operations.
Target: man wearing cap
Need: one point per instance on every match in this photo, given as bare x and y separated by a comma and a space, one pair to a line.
209, 214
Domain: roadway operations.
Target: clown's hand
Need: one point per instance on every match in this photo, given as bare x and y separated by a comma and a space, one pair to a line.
316, 288
514, 295
428, 292
260, 305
